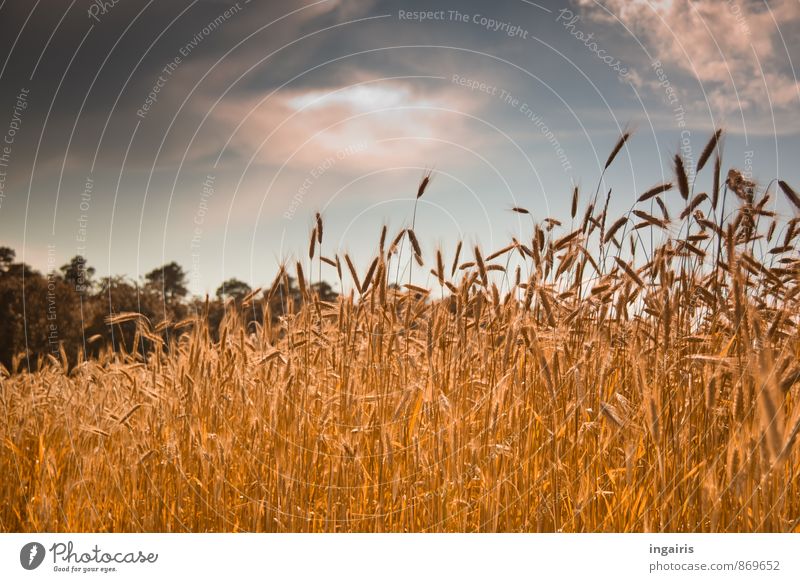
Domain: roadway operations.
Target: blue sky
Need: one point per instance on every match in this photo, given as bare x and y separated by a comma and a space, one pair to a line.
210, 132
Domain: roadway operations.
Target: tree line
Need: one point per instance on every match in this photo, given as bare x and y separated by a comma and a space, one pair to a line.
66, 312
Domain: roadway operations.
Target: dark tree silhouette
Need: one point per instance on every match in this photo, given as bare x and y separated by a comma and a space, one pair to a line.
169, 280
325, 291
66, 311
7, 256
77, 274
120, 295
39, 314
233, 288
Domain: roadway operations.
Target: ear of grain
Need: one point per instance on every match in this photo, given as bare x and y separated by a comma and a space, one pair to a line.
574, 208
696, 201
791, 439
368, 277
382, 242
319, 228
396, 241
439, 267
612, 414
500, 252
301, 279
481, 267
587, 217
708, 150
663, 208
353, 272
683, 180
790, 194
619, 223
455, 259
312, 243
771, 422
617, 147
655, 191
629, 272
650, 219
423, 185
273, 288
415, 246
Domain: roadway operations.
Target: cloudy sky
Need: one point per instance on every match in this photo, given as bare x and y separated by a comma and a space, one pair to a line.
210, 132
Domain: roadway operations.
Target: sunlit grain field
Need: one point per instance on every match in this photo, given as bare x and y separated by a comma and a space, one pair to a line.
605, 373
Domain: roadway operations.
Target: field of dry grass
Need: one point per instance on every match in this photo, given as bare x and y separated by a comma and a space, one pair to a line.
633, 373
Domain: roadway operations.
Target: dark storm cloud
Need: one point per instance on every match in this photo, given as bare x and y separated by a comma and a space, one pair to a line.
91, 69
102, 74
100, 65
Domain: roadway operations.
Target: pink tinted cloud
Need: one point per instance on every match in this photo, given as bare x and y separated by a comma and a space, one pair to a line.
726, 44
392, 123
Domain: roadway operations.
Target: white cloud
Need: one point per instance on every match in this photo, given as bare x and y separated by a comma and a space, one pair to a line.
729, 46
396, 121
359, 98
